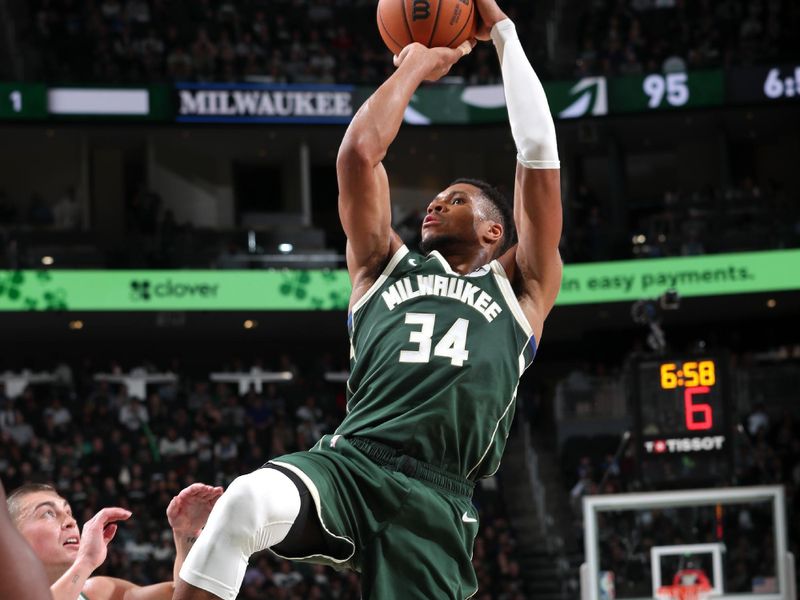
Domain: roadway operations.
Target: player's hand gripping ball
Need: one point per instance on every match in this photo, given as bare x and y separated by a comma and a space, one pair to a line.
432, 23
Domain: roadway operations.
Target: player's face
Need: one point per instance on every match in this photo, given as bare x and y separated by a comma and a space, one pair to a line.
47, 524
453, 216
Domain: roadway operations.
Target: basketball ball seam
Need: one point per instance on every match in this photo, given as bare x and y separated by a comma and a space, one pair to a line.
435, 22
386, 31
471, 10
405, 20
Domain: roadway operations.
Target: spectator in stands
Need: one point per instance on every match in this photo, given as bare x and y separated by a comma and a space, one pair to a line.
133, 414
67, 211
172, 444
45, 520
20, 431
758, 420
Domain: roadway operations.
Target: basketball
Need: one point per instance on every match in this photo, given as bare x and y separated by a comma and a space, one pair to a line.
433, 23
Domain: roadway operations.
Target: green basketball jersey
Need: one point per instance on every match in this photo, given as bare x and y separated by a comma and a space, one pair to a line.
435, 362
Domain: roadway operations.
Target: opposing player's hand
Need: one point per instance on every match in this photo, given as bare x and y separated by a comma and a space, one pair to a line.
189, 510
437, 60
489, 13
97, 533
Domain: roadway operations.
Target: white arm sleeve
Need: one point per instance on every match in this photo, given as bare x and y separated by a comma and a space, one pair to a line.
528, 112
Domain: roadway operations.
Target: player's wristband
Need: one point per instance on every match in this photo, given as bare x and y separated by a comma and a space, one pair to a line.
528, 112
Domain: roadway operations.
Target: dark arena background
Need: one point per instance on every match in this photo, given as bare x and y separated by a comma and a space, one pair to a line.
173, 298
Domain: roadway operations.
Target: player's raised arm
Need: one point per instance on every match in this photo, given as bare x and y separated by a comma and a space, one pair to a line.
364, 206
536, 264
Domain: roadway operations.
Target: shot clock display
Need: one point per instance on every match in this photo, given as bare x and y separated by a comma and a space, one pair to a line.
683, 424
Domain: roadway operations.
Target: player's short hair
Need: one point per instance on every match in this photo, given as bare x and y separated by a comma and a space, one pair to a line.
500, 210
14, 500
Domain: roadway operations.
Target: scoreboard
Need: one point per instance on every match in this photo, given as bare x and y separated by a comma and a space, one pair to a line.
217, 102
657, 92
682, 420
23, 101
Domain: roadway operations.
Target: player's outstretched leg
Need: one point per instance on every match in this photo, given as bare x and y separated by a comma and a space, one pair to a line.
255, 512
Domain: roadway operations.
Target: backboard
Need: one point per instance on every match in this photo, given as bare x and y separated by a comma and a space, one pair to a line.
721, 543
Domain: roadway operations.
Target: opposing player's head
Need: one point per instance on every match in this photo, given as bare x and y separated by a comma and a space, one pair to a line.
45, 520
469, 212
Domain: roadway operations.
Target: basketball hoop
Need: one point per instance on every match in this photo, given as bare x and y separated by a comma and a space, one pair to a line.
684, 592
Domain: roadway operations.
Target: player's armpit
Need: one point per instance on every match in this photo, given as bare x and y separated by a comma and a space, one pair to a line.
539, 220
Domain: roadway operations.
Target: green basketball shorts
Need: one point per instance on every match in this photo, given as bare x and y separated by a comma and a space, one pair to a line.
406, 526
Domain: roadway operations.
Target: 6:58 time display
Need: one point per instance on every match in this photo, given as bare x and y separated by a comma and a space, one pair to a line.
680, 396
696, 378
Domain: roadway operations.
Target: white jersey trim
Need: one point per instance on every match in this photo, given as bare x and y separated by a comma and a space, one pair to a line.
445, 265
522, 368
393, 262
511, 298
312, 488
494, 433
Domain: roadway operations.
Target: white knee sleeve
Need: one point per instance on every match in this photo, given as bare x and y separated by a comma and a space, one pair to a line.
255, 512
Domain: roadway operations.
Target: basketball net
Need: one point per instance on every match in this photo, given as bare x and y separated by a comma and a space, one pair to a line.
684, 592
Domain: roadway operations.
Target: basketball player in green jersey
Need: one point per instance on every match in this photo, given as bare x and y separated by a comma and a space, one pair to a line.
22, 573
438, 343
69, 556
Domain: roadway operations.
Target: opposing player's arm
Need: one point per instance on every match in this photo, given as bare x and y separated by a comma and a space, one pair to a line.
364, 207
96, 535
187, 514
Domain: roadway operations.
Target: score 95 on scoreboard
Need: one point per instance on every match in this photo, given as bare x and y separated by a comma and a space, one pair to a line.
23, 101
682, 419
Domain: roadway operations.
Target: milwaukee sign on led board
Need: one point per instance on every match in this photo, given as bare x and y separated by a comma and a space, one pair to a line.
264, 103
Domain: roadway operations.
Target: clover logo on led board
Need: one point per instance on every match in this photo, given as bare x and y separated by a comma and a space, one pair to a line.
140, 290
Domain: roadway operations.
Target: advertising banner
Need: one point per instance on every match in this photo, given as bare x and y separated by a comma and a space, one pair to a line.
298, 290
691, 276
82, 103
437, 104
264, 103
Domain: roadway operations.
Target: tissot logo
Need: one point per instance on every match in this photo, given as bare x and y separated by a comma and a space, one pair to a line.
682, 445
145, 290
